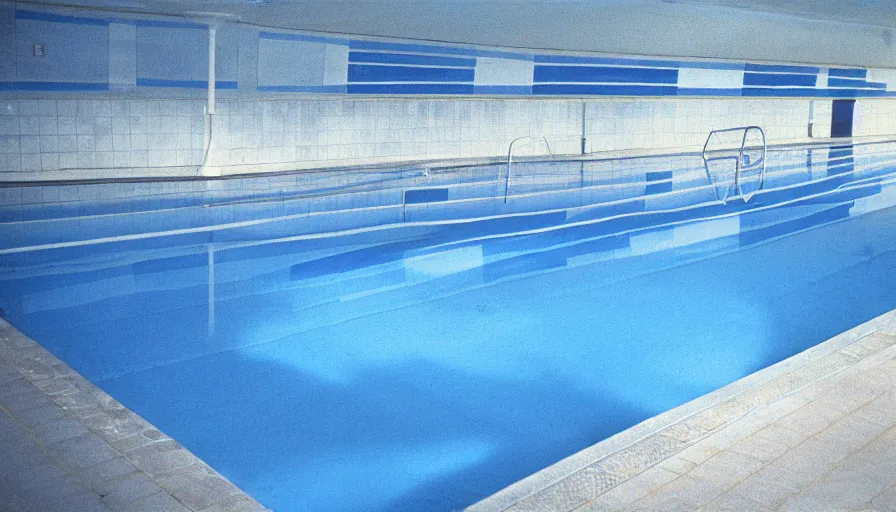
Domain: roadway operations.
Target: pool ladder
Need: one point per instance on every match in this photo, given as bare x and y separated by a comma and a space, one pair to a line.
741, 163
510, 158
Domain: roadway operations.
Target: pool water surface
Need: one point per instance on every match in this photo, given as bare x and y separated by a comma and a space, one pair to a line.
421, 355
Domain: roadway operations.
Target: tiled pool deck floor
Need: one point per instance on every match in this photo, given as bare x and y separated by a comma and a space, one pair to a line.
65, 445
816, 432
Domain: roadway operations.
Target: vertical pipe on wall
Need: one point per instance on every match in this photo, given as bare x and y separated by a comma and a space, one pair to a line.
583, 127
211, 70
210, 109
811, 116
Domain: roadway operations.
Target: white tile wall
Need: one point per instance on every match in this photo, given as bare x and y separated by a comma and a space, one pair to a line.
53, 135
351, 132
133, 135
651, 124
874, 117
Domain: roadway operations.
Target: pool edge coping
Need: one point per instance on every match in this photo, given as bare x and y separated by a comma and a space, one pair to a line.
633, 451
436, 164
182, 475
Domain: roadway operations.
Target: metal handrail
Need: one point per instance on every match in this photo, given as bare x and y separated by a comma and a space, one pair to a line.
738, 161
510, 158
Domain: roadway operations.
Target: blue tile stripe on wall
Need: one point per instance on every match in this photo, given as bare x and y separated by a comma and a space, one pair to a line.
573, 76
409, 48
331, 89
611, 61
810, 92
58, 18
775, 68
514, 90
860, 84
409, 59
167, 24
403, 88
52, 86
600, 74
779, 79
365, 73
848, 73
184, 84
302, 37
398, 68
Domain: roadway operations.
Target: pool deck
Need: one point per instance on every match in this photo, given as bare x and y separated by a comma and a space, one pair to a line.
812, 433
65, 445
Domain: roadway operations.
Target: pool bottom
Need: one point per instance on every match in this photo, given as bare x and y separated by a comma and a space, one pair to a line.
437, 405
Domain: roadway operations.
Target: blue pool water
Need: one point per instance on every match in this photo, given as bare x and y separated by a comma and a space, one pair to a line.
397, 340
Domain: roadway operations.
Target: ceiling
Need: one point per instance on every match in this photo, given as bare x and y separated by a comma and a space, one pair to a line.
848, 32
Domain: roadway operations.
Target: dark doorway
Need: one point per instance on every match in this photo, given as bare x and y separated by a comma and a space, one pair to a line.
841, 118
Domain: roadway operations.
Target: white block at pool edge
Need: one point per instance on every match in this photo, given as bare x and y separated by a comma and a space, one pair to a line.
652, 242
696, 232
439, 264
885, 199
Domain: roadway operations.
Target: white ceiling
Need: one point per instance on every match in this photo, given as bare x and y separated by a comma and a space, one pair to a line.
857, 32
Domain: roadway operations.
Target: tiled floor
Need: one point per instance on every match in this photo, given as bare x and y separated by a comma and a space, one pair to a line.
67, 446
819, 436
835, 452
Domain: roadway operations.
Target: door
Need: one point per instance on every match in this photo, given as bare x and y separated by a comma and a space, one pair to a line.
841, 118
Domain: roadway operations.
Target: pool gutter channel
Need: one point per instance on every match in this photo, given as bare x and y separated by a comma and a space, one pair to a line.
583, 477
156, 456
439, 165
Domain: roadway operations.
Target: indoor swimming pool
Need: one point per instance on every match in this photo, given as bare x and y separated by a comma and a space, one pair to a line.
419, 338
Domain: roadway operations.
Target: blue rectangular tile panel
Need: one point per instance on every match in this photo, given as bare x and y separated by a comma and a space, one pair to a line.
404, 58
53, 86
301, 37
811, 92
565, 59
427, 195
409, 88
733, 66
368, 73
779, 79
410, 48
658, 188
170, 24
58, 18
184, 84
605, 75
603, 90
772, 68
707, 91
337, 89
664, 182
860, 84
494, 54
848, 73
503, 89
659, 176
